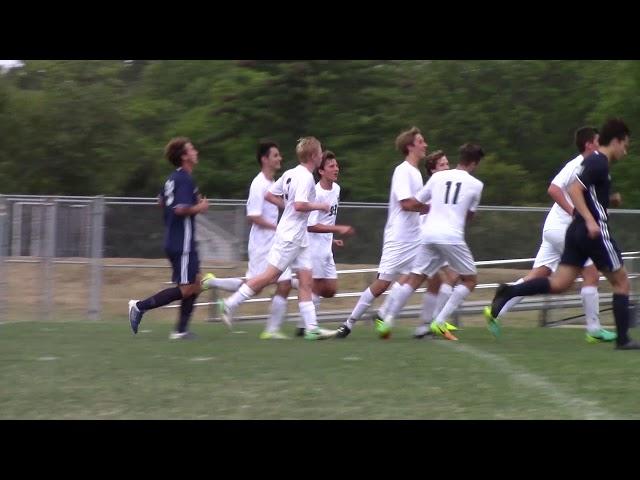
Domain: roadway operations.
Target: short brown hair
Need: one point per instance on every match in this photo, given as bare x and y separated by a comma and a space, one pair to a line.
431, 161
583, 136
470, 153
306, 147
406, 138
175, 149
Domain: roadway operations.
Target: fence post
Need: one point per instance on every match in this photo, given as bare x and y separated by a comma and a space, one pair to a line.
16, 230
97, 252
48, 253
4, 247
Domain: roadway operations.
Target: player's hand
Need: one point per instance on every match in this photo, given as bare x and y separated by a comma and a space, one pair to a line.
203, 204
325, 207
338, 243
425, 209
593, 230
346, 230
615, 200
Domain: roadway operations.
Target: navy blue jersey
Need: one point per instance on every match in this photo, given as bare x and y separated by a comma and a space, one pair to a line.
593, 174
180, 231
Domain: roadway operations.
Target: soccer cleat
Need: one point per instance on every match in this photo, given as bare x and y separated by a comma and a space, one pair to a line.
225, 314
182, 336
300, 332
492, 323
630, 345
277, 335
203, 284
384, 330
451, 327
601, 335
319, 334
500, 299
442, 331
343, 331
135, 316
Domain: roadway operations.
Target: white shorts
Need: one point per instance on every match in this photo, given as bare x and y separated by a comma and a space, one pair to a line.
432, 257
551, 250
324, 266
397, 259
258, 264
285, 255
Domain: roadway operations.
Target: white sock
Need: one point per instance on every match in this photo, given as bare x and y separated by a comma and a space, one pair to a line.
277, 313
243, 294
364, 302
384, 308
308, 313
591, 304
316, 300
295, 283
429, 302
443, 297
401, 296
228, 284
514, 301
456, 299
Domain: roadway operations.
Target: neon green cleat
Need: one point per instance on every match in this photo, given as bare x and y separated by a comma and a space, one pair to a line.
492, 323
277, 335
601, 335
203, 282
442, 331
384, 330
450, 326
319, 334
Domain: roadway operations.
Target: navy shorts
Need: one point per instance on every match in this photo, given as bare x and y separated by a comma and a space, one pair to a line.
185, 267
603, 250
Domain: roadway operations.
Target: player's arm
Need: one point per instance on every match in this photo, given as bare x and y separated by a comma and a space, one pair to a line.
556, 193
576, 192
301, 201
183, 198
413, 205
473, 206
345, 230
260, 221
275, 199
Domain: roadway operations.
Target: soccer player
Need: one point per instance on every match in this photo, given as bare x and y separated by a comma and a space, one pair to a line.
182, 203
440, 286
454, 196
553, 235
263, 216
402, 230
322, 227
588, 236
295, 192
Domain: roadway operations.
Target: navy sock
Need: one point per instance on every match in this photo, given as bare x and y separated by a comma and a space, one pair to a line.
160, 299
621, 316
536, 286
186, 309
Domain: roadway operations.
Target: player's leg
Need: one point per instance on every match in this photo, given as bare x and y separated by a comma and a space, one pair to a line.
591, 303
190, 293
137, 308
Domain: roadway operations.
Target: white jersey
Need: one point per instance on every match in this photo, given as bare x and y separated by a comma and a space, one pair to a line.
257, 205
295, 185
403, 226
452, 194
557, 218
321, 243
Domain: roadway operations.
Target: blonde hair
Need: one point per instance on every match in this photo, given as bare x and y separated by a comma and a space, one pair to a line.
306, 147
405, 139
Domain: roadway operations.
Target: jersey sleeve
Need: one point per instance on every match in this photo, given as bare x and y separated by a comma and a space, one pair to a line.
402, 184
565, 177
303, 191
256, 200
592, 172
424, 194
473, 206
183, 191
276, 188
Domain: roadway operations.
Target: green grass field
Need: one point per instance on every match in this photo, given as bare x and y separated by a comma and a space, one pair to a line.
83, 370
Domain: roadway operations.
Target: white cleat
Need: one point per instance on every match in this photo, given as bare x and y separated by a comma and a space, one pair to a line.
324, 333
226, 315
